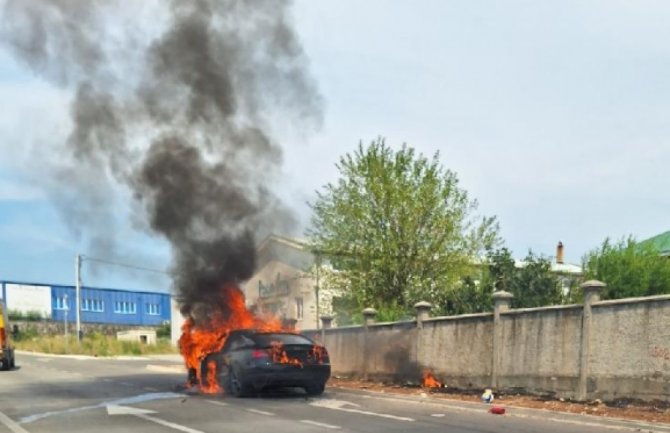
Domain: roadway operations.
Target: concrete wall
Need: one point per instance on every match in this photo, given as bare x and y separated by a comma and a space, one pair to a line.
630, 348
541, 349
601, 349
458, 349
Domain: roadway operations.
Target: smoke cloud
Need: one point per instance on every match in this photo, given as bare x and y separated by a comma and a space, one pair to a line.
175, 102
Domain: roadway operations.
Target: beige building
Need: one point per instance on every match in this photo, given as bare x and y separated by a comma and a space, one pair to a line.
285, 282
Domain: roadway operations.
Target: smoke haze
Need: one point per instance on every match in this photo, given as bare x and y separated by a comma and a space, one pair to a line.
174, 102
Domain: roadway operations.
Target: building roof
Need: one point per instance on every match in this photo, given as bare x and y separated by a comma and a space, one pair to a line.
297, 243
558, 268
660, 242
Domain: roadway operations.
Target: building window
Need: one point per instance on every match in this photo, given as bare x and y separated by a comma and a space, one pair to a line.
60, 304
125, 307
153, 309
94, 305
298, 308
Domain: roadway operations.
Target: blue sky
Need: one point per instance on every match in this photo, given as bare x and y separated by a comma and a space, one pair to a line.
554, 114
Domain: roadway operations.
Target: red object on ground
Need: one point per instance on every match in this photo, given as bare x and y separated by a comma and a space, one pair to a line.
497, 410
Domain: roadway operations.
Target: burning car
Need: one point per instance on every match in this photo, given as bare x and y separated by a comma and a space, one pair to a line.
251, 361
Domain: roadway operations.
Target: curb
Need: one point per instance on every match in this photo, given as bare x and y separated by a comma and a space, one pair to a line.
83, 357
518, 412
170, 369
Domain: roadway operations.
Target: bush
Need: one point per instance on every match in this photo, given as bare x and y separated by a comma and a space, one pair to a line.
94, 344
164, 331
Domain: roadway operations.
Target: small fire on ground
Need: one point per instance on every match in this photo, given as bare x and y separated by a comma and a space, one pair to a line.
429, 381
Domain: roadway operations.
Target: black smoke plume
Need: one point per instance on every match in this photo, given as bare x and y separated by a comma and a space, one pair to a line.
175, 101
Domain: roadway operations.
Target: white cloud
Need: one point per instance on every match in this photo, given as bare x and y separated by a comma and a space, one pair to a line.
16, 191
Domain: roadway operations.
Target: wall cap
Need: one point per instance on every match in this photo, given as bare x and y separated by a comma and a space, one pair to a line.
595, 284
501, 294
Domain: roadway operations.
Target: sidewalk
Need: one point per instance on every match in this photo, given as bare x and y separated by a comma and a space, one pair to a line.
514, 411
646, 413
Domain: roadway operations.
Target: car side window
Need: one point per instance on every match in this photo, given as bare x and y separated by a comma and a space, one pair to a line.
231, 344
237, 342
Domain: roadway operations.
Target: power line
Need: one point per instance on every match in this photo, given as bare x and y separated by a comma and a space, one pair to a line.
125, 265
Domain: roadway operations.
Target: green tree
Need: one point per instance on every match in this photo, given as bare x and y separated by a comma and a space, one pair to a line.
628, 268
398, 229
534, 285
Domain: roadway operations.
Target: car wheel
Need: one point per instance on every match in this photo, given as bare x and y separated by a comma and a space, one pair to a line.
5, 364
315, 389
12, 363
234, 386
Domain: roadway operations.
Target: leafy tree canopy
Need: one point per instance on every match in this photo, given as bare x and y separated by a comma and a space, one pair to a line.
628, 268
398, 229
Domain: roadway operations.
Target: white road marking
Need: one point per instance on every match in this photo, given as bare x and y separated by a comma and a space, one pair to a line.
340, 405
219, 403
438, 415
128, 400
320, 424
260, 412
11, 424
169, 424
148, 388
126, 384
115, 409
107, 380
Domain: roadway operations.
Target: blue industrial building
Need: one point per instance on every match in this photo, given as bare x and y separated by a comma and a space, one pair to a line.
98, 305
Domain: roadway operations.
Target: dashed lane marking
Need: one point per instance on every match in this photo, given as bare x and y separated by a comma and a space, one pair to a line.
218, 403
168, 424
346, 406
126, 384
149, 388
438, 415
260, 412
320, 424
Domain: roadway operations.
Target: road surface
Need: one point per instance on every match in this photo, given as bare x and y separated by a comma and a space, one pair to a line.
48, 394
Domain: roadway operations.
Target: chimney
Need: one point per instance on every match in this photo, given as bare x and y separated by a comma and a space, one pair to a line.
559, 253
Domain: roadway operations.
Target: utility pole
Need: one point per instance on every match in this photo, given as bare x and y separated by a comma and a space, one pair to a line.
77, 270
66, 310
318, 267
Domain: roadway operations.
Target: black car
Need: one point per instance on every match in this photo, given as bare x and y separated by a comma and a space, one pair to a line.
252, 361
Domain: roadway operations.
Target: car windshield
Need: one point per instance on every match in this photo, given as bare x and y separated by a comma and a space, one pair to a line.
266, 340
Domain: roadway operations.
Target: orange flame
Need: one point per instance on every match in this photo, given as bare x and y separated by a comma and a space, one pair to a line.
429, 381
279, 355
319, 354
199, 340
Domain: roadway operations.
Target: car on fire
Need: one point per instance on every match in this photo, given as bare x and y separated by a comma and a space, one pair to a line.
251, 361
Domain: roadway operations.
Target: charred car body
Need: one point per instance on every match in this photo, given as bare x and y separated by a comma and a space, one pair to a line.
252, 361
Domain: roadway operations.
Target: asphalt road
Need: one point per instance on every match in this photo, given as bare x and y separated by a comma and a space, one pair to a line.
49, 394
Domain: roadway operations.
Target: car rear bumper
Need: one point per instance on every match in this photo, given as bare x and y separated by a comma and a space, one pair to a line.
278, 375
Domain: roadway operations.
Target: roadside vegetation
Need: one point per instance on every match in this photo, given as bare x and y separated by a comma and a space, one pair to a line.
94, 344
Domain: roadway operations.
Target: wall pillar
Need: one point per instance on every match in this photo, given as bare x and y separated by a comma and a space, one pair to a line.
422, 312
501, 303
369, 315
591, 290
326, 323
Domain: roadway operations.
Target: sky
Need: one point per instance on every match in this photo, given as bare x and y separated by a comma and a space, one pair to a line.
555, 115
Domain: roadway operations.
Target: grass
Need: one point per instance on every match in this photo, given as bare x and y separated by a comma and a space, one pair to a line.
93, 344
